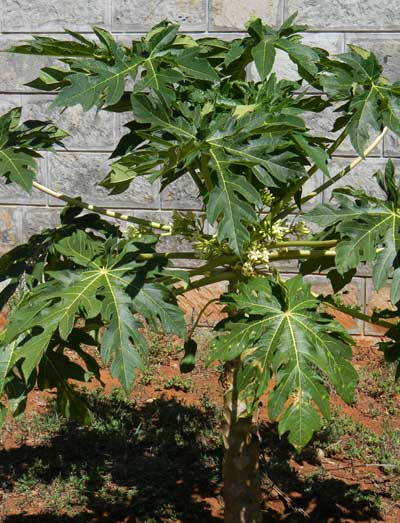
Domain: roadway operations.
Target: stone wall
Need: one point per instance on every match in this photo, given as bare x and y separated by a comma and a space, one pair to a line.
332, 24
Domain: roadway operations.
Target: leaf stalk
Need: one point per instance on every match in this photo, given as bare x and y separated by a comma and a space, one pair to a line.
339, 175
100, 210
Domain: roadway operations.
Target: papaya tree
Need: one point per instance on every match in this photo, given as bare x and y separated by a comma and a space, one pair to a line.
100, 278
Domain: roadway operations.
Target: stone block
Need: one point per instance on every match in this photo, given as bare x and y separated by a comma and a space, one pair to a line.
35, 220
121, 119
346, 15
79, 173
377, 300
93, 130
8, 102
9, 229
152, 215
54, 15
134, 15
232, 15
352, 294
19, 69
181, 194
288, 266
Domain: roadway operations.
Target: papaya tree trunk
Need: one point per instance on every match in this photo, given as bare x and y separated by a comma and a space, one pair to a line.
242, 488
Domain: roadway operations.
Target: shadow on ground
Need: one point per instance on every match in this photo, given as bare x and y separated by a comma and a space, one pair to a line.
323, 498
156, 463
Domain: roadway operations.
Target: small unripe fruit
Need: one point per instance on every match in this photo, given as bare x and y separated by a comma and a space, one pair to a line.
188, 362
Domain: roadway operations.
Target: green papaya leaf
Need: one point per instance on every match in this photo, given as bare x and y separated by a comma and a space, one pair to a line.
3, 415
232, 202
283, 335
7, 358
365, 117
104, 85
264, 57
107, 282
19, 144
18, 167
369, 229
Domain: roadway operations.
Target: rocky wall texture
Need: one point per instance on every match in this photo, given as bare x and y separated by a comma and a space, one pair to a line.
332, 24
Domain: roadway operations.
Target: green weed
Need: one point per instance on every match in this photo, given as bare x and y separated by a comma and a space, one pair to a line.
179, 384
353, 440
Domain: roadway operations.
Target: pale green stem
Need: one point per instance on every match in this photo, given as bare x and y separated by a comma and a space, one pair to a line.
274, 256
300, 254
339, 175
100, 210
231, 259
304, 243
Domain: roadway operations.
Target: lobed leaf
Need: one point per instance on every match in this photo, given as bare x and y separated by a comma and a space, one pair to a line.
369, 229
282, 334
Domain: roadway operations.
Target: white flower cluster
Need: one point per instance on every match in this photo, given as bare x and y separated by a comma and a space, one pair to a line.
256, 255
248, 269
278, 231
300, 229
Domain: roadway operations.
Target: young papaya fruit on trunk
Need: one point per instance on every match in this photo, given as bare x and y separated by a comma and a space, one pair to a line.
188, 362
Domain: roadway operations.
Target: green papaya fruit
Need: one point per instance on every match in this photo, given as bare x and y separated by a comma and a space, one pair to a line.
188, 362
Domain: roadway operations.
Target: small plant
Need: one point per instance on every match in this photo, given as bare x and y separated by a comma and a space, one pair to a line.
109, 493
379, 384
67, 493
179, 384
62, 493
161, 348
147, 377
249, 151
